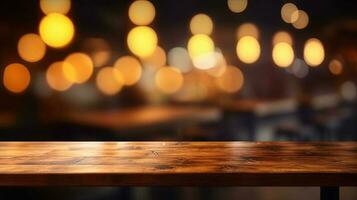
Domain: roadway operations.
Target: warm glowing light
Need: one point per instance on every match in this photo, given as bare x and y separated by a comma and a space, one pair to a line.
248, 49
302, 19
201, 24
56, 30
314, 53
237, 6
282, 36
141, 12
109, 81
335, 67
231, 80
178, 57
98, 49
79, 68
56, 78
168, 80
206, 61
142, 41
16, 78
157, 59
283, 54
247, 29
220, 66
31, 48
287, 12
55, 6
200, 45
130, 69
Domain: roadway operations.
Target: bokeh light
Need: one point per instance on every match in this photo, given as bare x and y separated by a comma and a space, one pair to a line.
287, 12
220, 66
302, 19
178, 57
130, 69
79, 67
248, 49
247, 29
55, 6
282, 36
141, 12
142, 41
237, 6
109, 81
299, 68
56, 30
349, 91
156, 59
56, 78
31, 48
201, 24
335, 66
200, 45
283, 54
168, 80
16, 78
314, 53
98, 49
231, 80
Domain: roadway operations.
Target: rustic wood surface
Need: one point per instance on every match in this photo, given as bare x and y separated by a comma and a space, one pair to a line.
178, 164
144, 117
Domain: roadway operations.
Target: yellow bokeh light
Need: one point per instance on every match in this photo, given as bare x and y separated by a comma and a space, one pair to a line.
201, 24
237, 6
335, 67
247, 29
302, 19
231, 80
168, 80
283, 54
56, 30
314, 53
287, 12
31, 48
55, 6
282, 36
16, 78
142, 41
157, 59
109, 81
200, 45
79, 68
130, 69
56, 78
248, 49
141, 12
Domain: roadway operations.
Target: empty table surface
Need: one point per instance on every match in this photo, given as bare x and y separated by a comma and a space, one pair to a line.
143, 117
178, 163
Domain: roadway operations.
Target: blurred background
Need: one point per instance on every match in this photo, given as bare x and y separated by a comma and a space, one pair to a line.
124, 70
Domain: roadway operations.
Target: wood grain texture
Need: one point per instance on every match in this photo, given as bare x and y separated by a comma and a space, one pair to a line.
178, 164
144, 117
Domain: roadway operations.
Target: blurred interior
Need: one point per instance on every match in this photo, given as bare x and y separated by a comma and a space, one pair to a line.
125, 70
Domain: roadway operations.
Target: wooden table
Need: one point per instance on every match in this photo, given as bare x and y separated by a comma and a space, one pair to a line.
325, 164
144, 117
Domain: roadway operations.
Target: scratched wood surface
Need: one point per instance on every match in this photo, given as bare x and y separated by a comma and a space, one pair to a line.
178, 164
144, 117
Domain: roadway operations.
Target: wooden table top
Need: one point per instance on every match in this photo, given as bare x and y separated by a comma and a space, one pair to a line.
178, 164
143, 117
